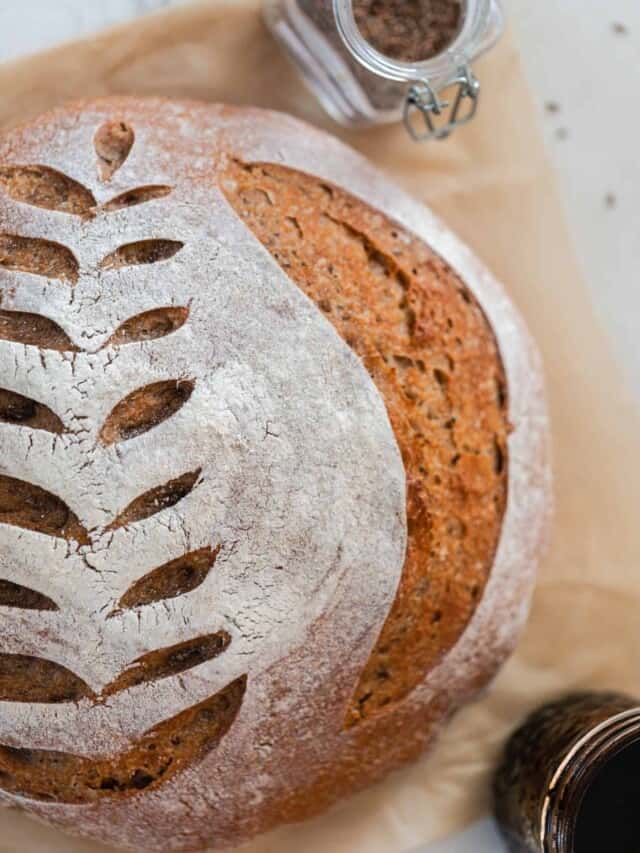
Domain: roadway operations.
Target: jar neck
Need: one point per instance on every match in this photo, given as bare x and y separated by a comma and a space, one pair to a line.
481, 26
577, 772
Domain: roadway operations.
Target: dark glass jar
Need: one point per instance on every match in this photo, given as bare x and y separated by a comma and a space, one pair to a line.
569, 781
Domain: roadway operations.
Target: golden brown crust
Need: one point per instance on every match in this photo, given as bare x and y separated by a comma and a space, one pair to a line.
433, 357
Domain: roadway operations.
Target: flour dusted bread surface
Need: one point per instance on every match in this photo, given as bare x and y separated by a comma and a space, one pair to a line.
272, 482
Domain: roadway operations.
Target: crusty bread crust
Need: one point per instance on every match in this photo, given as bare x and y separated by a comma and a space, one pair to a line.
406, 358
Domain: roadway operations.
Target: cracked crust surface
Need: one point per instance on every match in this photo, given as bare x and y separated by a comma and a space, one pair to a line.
296, 420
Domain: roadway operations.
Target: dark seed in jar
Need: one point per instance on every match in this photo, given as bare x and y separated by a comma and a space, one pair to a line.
409, 30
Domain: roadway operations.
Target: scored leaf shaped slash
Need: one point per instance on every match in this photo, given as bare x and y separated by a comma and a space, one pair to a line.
25, 678
113, 142
146, 408
34, 330
131, 198
41, 186
149, 326
156, 500
175, 578
164, 663
30, 507
23, 411
162, 752
38, 257
23, 598
141, 252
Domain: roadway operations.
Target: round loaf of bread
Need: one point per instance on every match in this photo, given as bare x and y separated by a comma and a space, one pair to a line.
273, 475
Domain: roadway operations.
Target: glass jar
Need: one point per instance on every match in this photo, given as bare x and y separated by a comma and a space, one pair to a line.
359, 85
569, 781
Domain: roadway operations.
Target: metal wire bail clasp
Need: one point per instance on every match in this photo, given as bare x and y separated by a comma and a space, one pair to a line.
424, 103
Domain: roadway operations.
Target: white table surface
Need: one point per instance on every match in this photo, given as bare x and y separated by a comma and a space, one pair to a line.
582, 59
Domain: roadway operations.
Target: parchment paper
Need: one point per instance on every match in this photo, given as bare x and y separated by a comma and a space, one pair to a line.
491, 182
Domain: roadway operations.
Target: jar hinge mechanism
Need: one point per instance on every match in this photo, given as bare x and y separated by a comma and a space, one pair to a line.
423, 103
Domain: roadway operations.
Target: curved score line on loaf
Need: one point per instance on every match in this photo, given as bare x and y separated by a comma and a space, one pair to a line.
432, 355
164, 751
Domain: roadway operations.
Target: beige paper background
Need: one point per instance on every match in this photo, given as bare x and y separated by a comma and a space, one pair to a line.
492, 183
